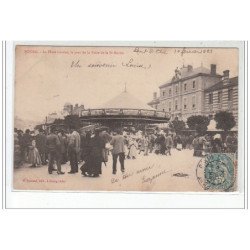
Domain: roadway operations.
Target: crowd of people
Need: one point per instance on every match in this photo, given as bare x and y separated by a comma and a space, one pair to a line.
163, 142
90, 149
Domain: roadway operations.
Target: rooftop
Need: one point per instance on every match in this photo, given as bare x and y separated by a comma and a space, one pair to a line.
125, 101
186, 72
154, 101
221, 85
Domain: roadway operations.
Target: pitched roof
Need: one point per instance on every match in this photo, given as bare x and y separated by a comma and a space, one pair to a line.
201, 69
220, 85
185, 74
125, 101
154, 101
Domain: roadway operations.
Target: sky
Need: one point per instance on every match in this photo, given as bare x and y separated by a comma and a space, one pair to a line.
48, 77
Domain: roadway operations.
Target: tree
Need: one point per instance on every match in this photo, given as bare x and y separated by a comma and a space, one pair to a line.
58, 121
177, 125
39, 126
72, 121
224, 120
198, 123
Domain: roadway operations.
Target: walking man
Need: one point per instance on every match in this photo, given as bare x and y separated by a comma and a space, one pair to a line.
118, 143
54, 150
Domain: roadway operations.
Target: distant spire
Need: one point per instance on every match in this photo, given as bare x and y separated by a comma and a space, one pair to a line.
125, 87
201, 64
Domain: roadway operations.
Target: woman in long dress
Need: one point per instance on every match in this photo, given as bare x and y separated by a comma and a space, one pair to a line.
34, 157
133, 148
97, 144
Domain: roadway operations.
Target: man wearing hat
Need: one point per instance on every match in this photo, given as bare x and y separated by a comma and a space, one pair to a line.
53, 146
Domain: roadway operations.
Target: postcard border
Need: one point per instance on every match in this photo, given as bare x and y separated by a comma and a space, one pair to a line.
245, 121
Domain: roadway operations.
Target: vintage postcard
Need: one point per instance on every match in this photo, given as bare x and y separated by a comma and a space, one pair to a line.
126, 118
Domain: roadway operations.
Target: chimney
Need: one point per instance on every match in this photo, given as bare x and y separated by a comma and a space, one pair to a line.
190, 68
213, 69
226, 74
154, 95
225, 77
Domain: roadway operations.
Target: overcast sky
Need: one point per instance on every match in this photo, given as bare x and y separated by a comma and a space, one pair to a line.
45, 81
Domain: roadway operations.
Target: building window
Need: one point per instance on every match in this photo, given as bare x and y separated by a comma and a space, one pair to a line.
176, 104
193, 84
163, 110
170, 104
230, 95
210, 98
185, 103
169, 91
193, 102
185, 87
219, 97
176, 89
163, 93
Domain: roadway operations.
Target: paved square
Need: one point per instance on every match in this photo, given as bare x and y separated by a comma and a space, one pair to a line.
146, 173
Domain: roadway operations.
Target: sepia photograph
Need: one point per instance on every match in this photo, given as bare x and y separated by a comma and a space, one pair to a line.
124, 124
126, 118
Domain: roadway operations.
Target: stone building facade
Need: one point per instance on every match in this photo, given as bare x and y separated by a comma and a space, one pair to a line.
187, 92
223, 96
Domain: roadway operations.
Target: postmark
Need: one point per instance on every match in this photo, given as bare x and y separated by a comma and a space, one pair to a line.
216, 172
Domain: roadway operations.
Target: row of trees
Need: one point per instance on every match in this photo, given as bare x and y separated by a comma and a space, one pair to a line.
224, 120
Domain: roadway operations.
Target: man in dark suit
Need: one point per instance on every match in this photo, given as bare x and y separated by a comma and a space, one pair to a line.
54, 149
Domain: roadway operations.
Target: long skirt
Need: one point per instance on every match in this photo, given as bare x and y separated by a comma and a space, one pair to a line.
133, 151
34, 157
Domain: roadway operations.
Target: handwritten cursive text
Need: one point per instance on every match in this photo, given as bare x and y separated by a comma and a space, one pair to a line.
132, 64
